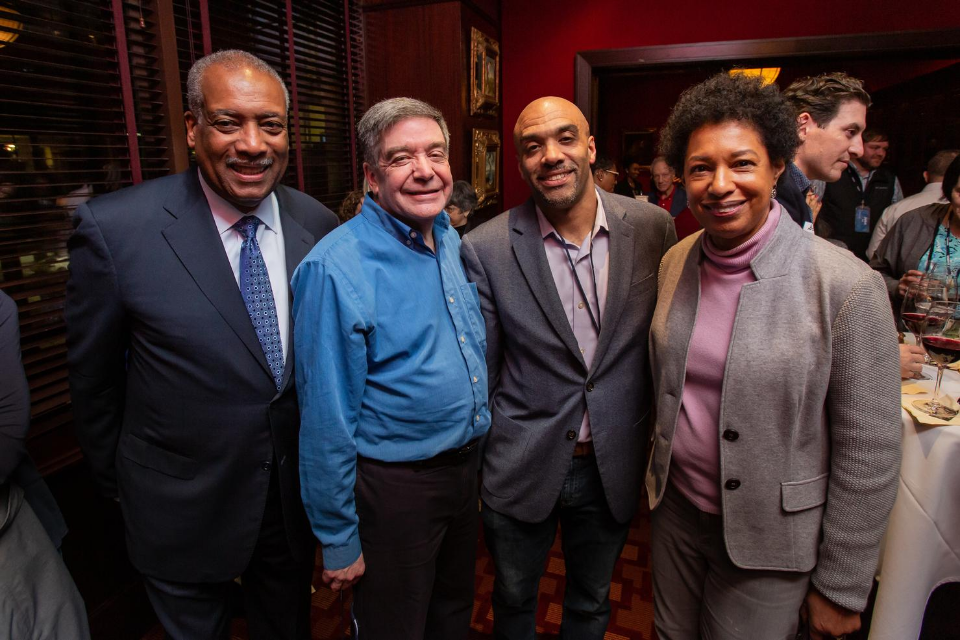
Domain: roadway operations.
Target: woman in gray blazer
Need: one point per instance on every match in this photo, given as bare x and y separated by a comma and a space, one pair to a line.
776, 448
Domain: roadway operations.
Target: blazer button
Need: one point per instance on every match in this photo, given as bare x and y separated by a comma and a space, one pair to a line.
732, 484
731, 435
266, 466
589, 386
571, 434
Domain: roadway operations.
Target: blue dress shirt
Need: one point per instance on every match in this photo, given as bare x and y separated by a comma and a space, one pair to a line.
389, 345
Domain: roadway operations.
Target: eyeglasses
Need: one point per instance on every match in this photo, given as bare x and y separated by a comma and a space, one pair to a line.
615, 173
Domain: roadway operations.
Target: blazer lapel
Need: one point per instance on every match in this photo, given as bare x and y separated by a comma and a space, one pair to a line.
528, 248
194, 238
297, 243
619, 275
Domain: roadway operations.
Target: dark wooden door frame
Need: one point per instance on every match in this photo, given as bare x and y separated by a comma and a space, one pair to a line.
936, 43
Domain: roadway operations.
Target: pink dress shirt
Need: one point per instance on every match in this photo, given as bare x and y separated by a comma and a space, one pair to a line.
593, 277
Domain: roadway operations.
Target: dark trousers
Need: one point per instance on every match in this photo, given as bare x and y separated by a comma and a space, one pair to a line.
276, 591
592, 541
418, 532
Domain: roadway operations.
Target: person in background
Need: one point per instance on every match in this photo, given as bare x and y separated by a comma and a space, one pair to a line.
777, 441
922, 239
831, 114
38, 598
630, 186
605, 173
852, 205
393, 389
350, 206
179, 349
462, 202
666, 194
567, 285
930, 193
669, 195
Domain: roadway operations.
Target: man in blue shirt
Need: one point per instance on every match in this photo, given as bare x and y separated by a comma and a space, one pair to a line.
392, 386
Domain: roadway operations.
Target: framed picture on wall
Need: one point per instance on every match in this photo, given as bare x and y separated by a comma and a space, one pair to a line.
486, 166
484, 74
640, 146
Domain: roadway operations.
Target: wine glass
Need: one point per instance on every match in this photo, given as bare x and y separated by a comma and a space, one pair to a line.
940, 282
913, 311
941, 339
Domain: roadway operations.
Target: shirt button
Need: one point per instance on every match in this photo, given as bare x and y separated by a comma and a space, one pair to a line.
477, 418
476, 379
409, 243
450, 298
731, 435
589, 386
413, 234
266, 466
582, 350
580, 306
571, 434
462, 339
732, 484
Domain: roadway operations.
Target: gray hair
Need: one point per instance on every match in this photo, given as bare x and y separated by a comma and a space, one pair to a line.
230, 59
389, 112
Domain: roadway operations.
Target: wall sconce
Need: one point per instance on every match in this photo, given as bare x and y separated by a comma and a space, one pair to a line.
768, 74
9, 27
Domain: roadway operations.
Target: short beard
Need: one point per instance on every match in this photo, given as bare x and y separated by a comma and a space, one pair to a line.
560, 201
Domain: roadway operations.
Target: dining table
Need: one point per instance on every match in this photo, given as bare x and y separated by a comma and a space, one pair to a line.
921, 548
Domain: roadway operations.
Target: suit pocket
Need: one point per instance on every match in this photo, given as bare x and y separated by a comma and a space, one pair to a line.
804, 494
642, 283
153, 457
504, 456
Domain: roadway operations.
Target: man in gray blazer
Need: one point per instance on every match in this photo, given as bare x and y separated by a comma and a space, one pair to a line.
567, 285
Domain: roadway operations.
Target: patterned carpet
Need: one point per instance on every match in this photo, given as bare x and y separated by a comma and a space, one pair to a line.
631, 594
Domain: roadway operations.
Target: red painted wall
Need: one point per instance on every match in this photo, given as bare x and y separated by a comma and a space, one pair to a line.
539, 38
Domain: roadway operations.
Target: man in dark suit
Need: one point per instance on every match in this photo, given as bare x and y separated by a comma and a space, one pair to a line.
567, 285
179, 338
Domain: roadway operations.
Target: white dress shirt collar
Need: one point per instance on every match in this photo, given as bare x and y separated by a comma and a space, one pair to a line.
226, 215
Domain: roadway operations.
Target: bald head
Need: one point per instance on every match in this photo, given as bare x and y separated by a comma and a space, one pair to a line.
548, 109
554, 153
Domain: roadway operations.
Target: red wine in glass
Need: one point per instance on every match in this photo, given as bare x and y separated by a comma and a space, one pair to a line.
943, 351
914, 322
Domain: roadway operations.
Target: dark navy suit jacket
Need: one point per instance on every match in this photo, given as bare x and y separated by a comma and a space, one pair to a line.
175, 406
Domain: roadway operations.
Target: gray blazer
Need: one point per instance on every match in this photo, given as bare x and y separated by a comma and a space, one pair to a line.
811, 390
539, 384
905, 245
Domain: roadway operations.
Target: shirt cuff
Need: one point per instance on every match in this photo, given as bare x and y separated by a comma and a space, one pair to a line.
341, 557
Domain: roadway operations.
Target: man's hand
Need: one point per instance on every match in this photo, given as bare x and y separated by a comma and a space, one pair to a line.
825, 619
911, 360
907, 279
346, 577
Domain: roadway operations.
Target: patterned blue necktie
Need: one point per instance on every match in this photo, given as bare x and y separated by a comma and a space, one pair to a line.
258, 296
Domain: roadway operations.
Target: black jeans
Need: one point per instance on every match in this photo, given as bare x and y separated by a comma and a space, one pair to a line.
592, 541
418, 532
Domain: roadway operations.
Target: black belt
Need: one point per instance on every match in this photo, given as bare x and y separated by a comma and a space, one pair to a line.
447, 458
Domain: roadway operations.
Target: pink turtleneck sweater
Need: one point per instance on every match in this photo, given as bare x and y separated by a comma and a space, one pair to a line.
695, 464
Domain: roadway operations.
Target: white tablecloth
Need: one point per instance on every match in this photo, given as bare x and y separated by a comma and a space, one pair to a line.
922, 545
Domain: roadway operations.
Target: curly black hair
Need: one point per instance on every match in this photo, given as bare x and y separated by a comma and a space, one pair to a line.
723, 98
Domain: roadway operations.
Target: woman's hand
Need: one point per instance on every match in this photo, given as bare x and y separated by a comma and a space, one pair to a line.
825, 619
907, 279
911, 361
